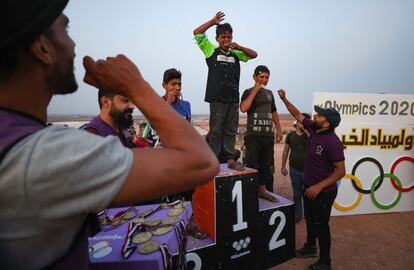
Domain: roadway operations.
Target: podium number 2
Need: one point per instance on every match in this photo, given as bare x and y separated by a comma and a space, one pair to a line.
237, 194
274, 243
193, 257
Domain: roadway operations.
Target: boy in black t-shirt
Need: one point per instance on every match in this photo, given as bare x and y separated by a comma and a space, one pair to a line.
260, 106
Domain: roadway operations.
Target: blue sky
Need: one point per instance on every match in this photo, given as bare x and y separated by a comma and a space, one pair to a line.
309, 46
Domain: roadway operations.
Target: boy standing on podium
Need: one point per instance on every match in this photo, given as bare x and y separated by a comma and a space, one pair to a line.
259, 103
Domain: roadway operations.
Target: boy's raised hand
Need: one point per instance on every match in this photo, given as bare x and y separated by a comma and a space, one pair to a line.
172, 96
282, 93
219, 17
257, 86
234, 46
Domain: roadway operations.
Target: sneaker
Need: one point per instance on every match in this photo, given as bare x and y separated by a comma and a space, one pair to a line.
321, 264
307, 252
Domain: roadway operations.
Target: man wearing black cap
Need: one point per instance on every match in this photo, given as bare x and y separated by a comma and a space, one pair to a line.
53, 180
259, 139
324, 166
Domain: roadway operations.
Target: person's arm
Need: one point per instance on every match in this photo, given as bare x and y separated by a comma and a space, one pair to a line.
285, 155
276, 121
249, 52
248, 101
213, 21
185, 162
290, 107
339, 172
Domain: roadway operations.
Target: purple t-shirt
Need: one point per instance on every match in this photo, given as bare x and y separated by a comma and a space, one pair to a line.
324, 149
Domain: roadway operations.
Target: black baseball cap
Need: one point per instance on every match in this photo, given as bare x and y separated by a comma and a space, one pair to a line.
331, 115
21, 21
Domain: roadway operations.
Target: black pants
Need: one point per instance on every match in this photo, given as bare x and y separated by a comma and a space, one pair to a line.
224, 121
317, 214
259, 155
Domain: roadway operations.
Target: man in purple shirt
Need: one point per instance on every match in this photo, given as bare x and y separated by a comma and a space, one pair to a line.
115, 117
324, 165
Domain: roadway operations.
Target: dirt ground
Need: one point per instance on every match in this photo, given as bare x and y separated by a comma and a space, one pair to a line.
374, 241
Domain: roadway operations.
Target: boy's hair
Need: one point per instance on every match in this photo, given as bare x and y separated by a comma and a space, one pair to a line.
261, 69
103, 93
171, 74
222, 28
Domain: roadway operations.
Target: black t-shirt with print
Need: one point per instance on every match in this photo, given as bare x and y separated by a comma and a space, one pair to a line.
259, 116
223, 77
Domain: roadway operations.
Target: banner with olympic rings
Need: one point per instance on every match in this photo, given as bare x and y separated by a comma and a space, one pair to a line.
377, 131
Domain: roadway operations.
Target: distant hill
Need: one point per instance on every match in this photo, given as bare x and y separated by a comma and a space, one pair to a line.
87, 117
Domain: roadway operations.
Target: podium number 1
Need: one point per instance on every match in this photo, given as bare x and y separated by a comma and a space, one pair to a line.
237, 194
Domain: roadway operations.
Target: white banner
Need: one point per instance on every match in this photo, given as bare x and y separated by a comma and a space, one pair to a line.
377, 131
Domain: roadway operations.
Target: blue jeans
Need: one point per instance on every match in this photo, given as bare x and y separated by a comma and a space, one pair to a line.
296, 177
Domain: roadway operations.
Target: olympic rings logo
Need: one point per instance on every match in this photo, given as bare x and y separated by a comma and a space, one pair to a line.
395, 181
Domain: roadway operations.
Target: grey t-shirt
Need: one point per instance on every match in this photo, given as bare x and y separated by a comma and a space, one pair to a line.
259, 116
49, 182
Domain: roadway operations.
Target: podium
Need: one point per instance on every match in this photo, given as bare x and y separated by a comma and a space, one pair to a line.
245, 232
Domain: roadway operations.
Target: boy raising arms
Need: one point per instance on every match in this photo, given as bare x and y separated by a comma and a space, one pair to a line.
259, 103
222, 91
